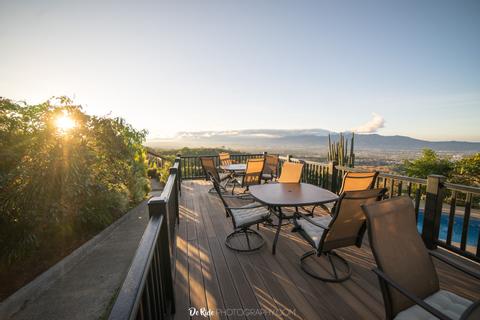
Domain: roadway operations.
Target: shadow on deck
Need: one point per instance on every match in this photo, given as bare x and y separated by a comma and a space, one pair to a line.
259, 285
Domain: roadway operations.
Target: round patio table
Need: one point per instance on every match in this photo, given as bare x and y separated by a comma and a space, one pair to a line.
235, 167
280, 195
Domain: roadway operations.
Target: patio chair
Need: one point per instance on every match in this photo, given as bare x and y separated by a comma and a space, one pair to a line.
291, 172
209, 167
225, 159
327, 233
353, 181
407, 275
270, 171
243, 218
252, 176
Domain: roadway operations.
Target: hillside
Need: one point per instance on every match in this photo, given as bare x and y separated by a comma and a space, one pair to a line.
302, 139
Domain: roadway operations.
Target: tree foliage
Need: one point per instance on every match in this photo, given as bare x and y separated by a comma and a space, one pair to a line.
464, 171
55, 184
428, 163
467, 170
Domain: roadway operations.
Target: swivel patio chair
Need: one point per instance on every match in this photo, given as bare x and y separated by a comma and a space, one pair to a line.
291, 172
327, 233
252, 176
353, 181
270, 171
405, 270
225, 159
209, 168
243, 218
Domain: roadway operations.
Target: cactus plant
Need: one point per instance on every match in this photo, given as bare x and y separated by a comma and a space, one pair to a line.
339, 151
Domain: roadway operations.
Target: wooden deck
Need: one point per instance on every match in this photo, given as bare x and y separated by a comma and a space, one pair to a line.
260, 285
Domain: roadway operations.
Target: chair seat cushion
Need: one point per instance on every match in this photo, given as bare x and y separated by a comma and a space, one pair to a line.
444, 301
267, 176
314, 232
249, 214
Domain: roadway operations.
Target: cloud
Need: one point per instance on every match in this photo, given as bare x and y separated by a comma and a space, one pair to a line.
371, 126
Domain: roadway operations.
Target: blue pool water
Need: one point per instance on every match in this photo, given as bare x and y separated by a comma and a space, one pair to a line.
473, 228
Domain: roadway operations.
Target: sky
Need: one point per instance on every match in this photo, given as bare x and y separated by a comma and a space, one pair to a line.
391, 67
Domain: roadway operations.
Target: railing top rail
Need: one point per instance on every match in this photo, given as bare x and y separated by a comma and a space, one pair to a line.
154, 154
462, 188
216, 155
387, 175
323, 164
403, 178
169, 185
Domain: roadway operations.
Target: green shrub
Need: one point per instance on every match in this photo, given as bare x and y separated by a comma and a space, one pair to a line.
58, 183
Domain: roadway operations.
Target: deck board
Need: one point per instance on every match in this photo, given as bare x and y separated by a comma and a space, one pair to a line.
209, 275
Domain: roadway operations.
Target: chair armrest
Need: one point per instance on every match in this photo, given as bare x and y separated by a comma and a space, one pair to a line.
410, 295
313, 222
455, 264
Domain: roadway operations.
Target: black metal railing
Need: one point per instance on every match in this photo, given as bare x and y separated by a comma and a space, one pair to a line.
460, 199
191, 168
439, 206
147, 291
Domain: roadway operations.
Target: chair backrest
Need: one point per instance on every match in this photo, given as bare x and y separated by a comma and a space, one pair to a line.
209, 167
347, 226
400, 252
271, 164
216, 185
225, 159
291, 172
353, 181
253, 172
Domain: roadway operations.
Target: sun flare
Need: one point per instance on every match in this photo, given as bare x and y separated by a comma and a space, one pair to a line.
64, 122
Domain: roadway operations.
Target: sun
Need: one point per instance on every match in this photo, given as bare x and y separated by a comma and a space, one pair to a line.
64, 122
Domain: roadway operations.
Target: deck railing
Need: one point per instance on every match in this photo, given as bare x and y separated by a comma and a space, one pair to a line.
439, 206
147, 292
191, 168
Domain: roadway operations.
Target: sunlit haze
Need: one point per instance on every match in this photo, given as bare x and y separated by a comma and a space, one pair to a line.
64, 122
404, 67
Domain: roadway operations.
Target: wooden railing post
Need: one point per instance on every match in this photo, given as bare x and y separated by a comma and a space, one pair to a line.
332, 170
289, 157
433, 210
176, 190
156, 207
179, 173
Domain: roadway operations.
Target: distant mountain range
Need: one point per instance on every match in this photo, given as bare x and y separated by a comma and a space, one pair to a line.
304, 139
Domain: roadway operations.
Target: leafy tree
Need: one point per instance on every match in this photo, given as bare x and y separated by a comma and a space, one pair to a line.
428, 163
57, 185
467, 170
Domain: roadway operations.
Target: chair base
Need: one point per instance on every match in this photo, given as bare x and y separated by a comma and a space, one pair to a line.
336, 277
285, 222
254, 240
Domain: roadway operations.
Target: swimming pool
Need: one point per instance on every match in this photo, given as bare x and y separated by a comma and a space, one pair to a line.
473, 228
